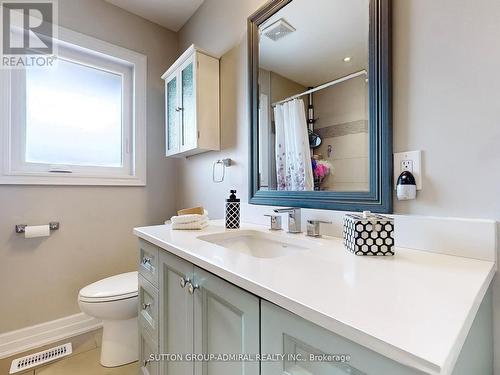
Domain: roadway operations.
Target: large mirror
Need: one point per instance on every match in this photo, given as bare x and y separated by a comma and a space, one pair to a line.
320, 104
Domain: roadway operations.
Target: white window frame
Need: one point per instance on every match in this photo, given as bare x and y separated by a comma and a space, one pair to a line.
88, 51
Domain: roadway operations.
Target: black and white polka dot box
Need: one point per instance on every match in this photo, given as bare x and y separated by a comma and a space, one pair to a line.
369, 234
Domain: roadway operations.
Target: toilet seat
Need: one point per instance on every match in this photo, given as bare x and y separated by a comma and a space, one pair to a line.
111, 289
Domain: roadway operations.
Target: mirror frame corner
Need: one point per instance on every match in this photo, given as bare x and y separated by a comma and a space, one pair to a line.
380, 196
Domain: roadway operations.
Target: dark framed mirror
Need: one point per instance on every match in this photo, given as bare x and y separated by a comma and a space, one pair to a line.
320, 104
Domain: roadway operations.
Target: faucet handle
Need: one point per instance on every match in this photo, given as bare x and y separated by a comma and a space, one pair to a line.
311, 221
275, 222
291, 210
313, 227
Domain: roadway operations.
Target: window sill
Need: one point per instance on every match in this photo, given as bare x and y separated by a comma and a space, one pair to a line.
71, 180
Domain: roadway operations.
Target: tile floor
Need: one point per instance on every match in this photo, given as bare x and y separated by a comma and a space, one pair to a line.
86, 363
83, 361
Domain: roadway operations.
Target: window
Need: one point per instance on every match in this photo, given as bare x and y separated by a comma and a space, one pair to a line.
79, 122
74, 116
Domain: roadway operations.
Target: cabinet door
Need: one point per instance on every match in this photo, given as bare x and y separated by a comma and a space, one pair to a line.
226, 322
285, 333
172, 117
189, 131
176, 313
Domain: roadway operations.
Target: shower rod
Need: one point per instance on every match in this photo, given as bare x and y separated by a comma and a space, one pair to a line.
323, 86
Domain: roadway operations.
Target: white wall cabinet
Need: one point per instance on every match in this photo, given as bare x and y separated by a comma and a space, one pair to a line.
192, 118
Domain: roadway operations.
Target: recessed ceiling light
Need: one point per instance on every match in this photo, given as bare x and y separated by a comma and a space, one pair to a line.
347, 59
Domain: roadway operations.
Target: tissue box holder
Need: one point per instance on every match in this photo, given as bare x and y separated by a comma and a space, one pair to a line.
373, 235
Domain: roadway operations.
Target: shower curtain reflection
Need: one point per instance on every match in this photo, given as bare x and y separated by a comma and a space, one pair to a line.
293, 156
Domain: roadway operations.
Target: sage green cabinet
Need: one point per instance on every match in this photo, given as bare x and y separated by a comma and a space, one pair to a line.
185, 310
203, 314
147, 347
176, 313
286, 333
226, 321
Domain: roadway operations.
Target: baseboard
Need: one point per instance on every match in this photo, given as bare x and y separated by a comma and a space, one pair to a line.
28, 338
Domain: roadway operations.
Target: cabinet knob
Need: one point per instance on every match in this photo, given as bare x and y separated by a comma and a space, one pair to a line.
178, 109
192, 287
146, 261
146, 362
145, 306
184, 281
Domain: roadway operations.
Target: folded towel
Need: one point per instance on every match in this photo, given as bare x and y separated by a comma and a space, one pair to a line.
191, 211
189, 226
193, 218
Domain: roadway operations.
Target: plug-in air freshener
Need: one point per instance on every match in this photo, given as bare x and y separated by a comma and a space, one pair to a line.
406, 186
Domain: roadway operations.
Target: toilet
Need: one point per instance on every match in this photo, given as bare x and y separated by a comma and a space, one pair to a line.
114, 300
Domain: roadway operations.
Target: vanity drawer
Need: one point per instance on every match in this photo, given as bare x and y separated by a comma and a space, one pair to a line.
148, 261
147, 346
148, 308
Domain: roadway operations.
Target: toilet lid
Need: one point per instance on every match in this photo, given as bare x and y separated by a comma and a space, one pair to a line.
112, 288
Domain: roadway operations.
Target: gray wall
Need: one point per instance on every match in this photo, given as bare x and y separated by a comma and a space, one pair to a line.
446, 103
40, 278
342, 122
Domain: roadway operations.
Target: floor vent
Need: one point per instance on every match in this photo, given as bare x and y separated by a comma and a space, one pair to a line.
39, 358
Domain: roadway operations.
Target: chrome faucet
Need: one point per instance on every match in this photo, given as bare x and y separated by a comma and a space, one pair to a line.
313, 227
275, 222
294, 223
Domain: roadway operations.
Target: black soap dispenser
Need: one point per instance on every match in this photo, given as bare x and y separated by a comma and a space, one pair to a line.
232, 211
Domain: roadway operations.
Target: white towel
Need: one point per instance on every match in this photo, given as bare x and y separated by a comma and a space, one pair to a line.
193, 225
186, 219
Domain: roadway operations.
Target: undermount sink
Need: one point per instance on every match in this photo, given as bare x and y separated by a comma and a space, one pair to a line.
257, 244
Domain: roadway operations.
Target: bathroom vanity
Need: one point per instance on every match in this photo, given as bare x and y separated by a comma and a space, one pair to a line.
320, 110
256, 292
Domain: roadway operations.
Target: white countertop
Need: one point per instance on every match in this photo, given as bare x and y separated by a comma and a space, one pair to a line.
415, 307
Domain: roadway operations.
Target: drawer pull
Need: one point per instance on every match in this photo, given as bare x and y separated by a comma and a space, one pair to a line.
184, 281
146, 306
146, 261
192, 288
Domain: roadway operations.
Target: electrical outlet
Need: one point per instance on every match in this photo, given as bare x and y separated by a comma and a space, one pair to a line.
407, 165
410, 161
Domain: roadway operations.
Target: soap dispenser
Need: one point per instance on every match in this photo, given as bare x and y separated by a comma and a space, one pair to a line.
232, 211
